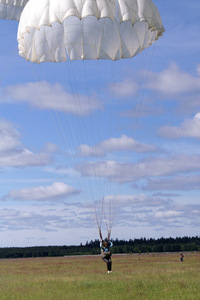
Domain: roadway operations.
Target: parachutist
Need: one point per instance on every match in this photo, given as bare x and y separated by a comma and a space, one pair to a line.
106, 254
181, 257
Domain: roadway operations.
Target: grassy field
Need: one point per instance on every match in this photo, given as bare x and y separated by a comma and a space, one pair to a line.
149, 276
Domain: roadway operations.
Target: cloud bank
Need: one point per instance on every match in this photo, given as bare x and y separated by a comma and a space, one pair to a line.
123, 143
13, 153
151, 167
56, 191
189, 128
45, 96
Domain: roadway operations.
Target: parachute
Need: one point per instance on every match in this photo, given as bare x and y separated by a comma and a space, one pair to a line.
92, 30
54, 30
11, 9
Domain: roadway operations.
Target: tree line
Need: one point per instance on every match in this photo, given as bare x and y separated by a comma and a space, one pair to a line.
142, 245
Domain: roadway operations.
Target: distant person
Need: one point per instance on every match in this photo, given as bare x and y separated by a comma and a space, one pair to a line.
181, 257
106, 254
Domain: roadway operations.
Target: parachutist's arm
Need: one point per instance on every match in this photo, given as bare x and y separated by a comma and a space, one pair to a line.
102, 247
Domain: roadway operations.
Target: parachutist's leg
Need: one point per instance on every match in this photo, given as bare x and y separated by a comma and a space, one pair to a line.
109, 265
104, 259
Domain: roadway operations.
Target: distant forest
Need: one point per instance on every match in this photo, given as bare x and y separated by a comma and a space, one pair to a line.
143, 245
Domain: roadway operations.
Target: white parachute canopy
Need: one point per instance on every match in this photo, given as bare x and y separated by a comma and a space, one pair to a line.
11, 9
57, 30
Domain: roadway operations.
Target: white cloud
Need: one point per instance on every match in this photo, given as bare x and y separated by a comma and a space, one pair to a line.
123, 143
9, 136
124, 89
198, 69
19, 219
43, 95
70, 173
178, 183
152, 167
172, 81
45, 217
50, 148
167, 214
29, 219
189, 128
24, 158
56, 191
177, 215
13, 153
137, 201
85, 150
145, 108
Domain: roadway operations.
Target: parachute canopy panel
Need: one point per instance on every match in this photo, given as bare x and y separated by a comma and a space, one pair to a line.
12, 9
54, 30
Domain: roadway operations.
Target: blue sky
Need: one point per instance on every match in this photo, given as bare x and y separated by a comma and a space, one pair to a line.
126, 131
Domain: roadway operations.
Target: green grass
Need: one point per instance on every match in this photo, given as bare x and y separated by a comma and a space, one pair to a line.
150, 276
